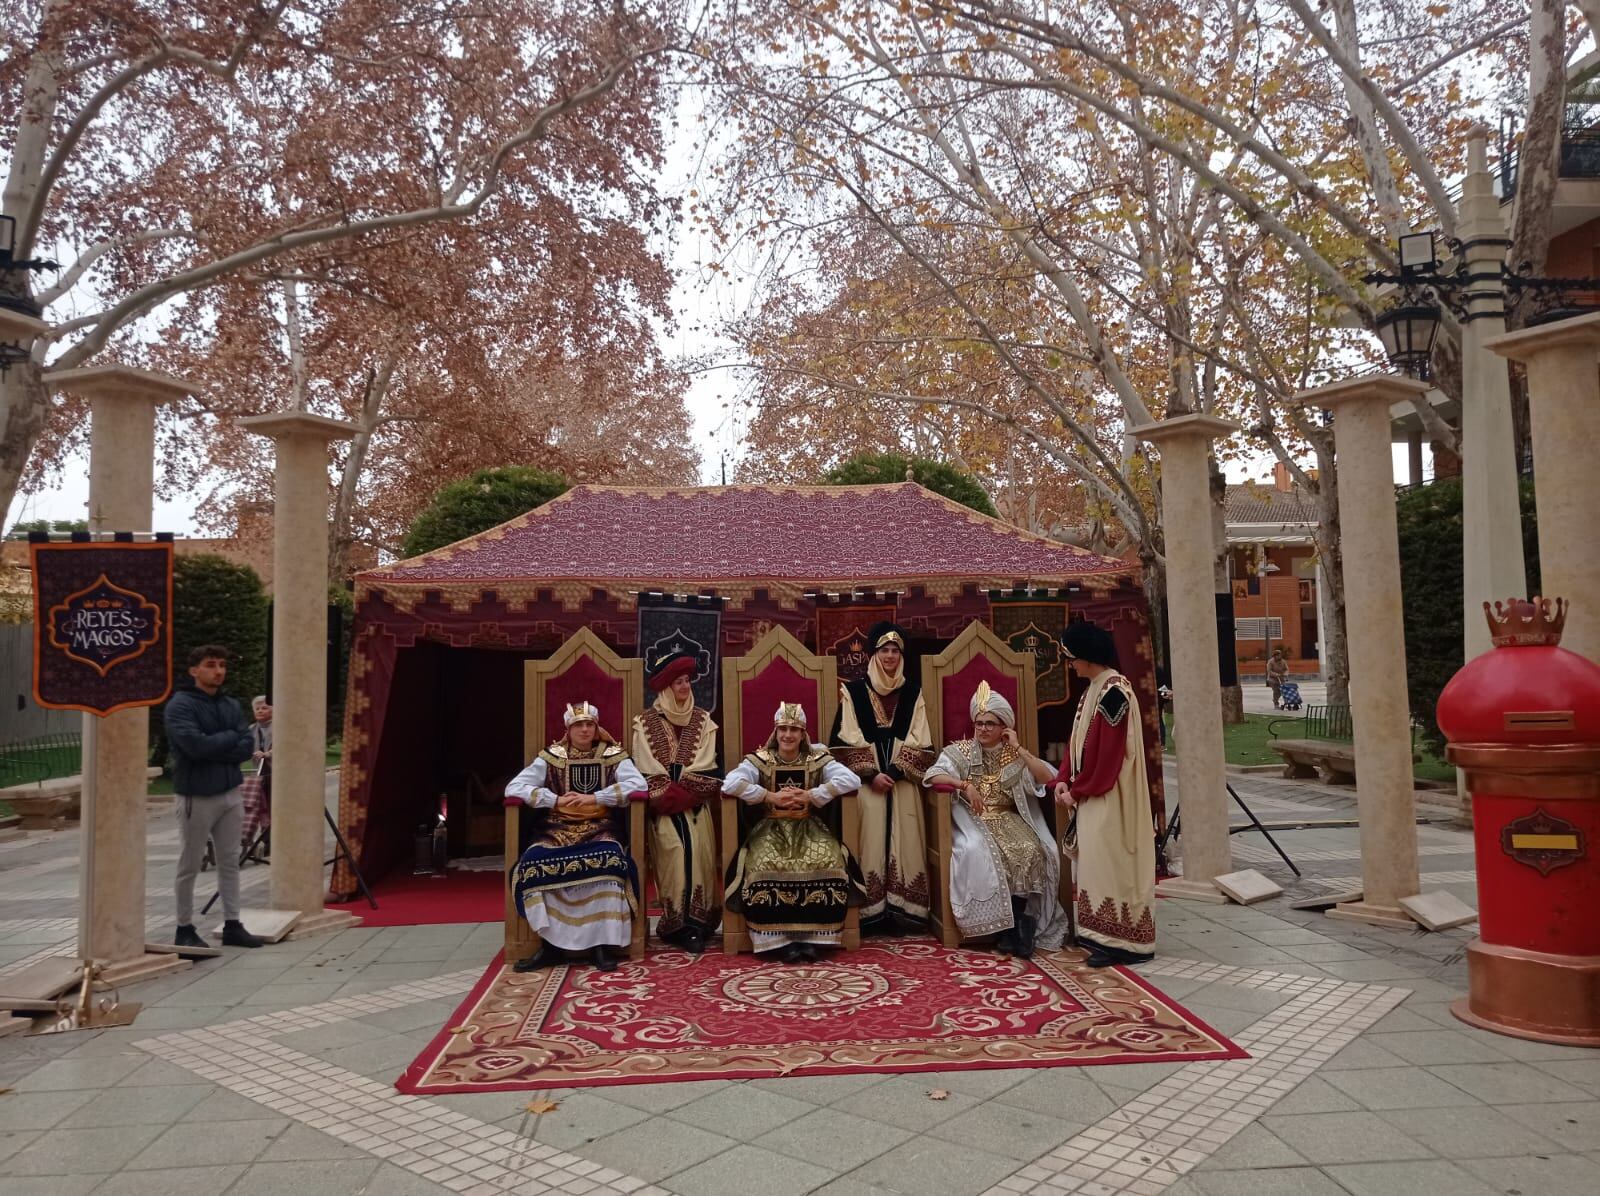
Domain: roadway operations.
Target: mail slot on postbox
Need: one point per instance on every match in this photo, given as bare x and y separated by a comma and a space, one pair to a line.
1523, 722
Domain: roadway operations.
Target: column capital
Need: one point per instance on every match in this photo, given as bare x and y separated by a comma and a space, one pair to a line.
114, 381
281, 425
17, 326
1387, 389
1175, 427
1528, 342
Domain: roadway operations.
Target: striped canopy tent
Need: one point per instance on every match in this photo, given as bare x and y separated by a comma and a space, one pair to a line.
435, 691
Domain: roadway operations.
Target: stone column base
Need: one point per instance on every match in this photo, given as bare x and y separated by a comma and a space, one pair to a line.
1191, 890
1372, 915
122, 972
328, 921
1530, 994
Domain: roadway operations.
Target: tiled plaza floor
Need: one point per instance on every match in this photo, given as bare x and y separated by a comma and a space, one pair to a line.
271, 1072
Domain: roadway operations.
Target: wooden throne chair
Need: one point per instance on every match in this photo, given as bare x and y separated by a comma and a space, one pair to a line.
779, 669
582, 669
948, 682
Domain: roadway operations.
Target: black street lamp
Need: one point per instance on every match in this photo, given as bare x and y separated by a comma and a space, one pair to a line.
20, 316
1408, 330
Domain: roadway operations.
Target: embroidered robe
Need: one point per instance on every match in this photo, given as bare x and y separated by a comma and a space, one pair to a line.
575, 882
792, 880
887, 732
682, 843
1116, 862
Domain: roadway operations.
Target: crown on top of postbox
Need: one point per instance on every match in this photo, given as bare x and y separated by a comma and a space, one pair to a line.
1526, 622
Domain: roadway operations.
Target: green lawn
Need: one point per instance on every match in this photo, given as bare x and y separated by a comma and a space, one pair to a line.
1247, 744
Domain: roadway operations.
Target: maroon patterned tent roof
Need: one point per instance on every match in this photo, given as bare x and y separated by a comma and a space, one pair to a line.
821, 537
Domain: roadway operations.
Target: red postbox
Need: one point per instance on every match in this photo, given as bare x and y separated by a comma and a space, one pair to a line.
1523, 721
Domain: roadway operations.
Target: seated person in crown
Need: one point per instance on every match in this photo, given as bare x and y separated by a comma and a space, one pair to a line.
575, 883
792, 880
1004, 866
675, 748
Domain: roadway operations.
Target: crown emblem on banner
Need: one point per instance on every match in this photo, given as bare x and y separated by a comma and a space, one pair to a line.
1526, 622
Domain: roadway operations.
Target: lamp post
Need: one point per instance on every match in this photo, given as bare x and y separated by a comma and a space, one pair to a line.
1474, 284
1267, 570
21, 319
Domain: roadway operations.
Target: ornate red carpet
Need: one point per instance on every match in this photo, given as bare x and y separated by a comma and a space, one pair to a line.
902, 1005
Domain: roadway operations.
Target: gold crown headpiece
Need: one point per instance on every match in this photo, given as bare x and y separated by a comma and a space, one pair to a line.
889, 637
1526, 622
790, 714
578, 712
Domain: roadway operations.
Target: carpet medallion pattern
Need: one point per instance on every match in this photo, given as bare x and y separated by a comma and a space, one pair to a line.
903, 1005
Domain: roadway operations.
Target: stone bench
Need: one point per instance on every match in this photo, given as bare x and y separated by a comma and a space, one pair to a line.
50, 805
1310, 759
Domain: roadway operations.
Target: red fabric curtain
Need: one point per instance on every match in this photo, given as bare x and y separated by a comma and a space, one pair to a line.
584, 681
956, 690
760, 695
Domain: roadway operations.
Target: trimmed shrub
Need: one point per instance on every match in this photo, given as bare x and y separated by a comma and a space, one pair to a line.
475, 504
934, 475
1429, 519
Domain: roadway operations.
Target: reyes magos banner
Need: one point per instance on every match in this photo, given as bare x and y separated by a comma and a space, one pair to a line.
102, 625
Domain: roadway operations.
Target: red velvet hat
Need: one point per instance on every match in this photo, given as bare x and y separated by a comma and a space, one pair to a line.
670, 666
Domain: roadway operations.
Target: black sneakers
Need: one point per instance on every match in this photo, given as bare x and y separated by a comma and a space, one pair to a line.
235, 935
187, 936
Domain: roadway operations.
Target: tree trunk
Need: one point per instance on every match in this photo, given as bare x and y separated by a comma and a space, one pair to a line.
1232, 695
1335, 645
24, 406
340, 530
1154, 575
1539, 159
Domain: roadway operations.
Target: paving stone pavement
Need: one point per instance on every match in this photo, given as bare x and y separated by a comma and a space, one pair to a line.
272, 1071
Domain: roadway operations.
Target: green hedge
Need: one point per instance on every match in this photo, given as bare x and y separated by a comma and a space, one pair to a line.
1431, 579
935, 475
215, 601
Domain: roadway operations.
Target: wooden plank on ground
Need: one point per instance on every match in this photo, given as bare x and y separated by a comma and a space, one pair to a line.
1247, 886
1439, 911
41, 981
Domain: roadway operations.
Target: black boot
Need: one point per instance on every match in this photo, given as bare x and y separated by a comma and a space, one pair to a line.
1006, 942
545, 957
1026, 927
793, 953
187, 936
604, 959
235, 935
693, 939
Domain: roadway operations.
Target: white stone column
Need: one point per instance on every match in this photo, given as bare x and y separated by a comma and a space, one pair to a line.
116, 748
299, 661
1492, 559
1563, 361
1379, 705
1185, 444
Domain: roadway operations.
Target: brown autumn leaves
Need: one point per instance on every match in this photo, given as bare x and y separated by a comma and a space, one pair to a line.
1001, 233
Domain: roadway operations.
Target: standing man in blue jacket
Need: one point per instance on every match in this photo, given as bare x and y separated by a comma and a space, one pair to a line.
209, 740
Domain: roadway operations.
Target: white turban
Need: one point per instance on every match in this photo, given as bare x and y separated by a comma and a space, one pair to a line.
986, 700
578, 712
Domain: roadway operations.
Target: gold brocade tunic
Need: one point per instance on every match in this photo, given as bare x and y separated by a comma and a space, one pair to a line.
1019, 847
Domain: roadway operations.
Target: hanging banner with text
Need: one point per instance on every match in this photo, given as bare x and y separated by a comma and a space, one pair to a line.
102, 617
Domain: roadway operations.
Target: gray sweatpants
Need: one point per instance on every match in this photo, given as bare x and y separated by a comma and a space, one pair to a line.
220, 819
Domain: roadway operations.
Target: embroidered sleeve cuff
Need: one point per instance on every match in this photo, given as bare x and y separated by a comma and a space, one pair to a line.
913, 762
863, 761
701, 785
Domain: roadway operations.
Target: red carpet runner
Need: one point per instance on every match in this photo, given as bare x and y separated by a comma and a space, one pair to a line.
407, 900
903, 1005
